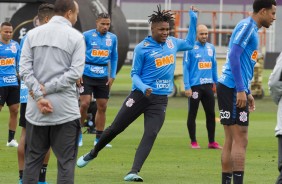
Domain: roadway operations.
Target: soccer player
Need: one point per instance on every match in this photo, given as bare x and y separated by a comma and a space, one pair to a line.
50, 66
9, 85
235, 100
101, 50
45, 13
152, 77
199, 76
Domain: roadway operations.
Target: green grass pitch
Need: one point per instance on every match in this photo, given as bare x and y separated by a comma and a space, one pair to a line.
171, 161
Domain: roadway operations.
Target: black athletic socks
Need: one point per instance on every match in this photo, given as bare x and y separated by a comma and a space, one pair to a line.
20, 174
226, 178
98, 134
238, 177
11, 135
42, 174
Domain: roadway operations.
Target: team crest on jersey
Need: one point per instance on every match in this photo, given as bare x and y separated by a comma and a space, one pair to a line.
129, 102
196, 47
146, 44
94, 34
195, 95
210, 52
243, 116
169, 44
13, 48
109, 42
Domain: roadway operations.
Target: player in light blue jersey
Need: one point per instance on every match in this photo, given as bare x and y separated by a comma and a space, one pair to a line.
9, 86
235, 100
101, 53
152, 77
199, 75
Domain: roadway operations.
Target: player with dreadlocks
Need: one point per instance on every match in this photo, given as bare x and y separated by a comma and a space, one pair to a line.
152, 77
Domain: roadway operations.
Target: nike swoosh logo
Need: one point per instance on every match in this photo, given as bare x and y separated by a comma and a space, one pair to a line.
238, 175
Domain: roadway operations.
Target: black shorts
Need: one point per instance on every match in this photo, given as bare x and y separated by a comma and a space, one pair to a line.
96, 86
9, 95
229, 113
22, 120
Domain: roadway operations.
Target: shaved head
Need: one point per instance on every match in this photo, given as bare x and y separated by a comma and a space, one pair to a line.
202, 33
201, 26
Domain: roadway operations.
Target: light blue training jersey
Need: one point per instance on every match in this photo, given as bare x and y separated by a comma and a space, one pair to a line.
154, 63
199, 65
100, 50
245, 35
23, 89
9, 63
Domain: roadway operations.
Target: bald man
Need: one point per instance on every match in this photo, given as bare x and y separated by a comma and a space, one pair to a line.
199, 75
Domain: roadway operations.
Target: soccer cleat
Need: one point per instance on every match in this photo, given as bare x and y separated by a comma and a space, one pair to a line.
84, 160
195, 145
80, 141
107, 146
12, 143
42, 182
214, 145
133, 177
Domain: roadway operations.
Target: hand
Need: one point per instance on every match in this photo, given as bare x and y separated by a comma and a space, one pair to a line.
148, 92
194, 9
110, 82
42, 88
251, 102
79, 82
193, 12
188, 93
241, 99
44, 106
31, 94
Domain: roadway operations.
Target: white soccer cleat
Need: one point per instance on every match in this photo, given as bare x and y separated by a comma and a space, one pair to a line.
12, 143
